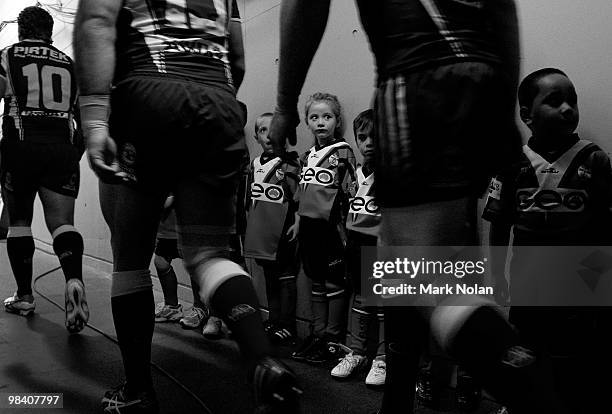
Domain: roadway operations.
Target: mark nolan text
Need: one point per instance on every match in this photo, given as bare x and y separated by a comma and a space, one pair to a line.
432, 289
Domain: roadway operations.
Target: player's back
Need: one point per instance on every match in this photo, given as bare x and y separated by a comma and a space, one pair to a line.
41, 93
187, 40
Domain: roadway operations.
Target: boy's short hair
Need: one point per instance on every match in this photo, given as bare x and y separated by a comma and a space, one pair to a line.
35, 23
364, 122
259, 118
528, 89
334, 103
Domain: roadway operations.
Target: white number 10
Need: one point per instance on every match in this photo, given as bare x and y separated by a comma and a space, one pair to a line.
40, 87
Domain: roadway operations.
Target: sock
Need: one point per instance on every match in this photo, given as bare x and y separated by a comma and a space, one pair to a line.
273, 294
337, 303
197, 302
320, 310
20, 252
68, 246
235, 301
288, 302
359, 324
169, 285
133, 315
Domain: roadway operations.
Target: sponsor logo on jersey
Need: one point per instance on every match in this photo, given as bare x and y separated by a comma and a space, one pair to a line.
267, 192
40, 51
317, 176
280, 174
333, 160
550, 170
364, 205
549, 200
584, 173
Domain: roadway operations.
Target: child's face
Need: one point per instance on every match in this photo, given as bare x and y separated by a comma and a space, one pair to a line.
322, 122
262, 134
365, 144
554, 112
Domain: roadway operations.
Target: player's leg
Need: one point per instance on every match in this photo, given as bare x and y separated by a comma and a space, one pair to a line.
68, 246
20, 249
205, 215
132, 215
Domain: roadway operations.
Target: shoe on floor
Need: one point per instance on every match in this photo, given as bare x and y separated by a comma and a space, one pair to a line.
306, 347
20, 305
349, 365
213, 328
119, 401
276, 388
167, 313
378, 373
77, 311
194, 318
280, 336
326, 352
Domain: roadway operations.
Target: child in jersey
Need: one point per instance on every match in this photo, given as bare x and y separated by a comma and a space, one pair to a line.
362, 226
271, 232
559, 194
328, 168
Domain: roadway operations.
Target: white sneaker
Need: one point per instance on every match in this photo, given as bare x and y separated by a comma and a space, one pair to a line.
20, 305
167, 313
348, 365
378, 373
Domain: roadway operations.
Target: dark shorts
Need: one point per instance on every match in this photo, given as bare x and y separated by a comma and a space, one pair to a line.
442, 133
26, 166
168, 249
322, 251
287, 261
166, 129
355, 242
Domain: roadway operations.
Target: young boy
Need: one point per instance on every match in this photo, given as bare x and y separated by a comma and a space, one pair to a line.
271, 233
362, 225
559, 194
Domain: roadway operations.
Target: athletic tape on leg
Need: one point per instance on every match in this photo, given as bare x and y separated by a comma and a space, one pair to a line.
133, 281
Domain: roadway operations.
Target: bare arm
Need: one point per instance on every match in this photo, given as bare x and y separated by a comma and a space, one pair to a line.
302, 24
94, 39
236, 53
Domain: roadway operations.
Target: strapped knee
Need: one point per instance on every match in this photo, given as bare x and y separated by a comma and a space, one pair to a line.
133, 281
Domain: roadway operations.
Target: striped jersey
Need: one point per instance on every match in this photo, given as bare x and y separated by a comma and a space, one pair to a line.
406, 35
363, 214
272, 186
327, 173
186, 39
41, 93
557, 203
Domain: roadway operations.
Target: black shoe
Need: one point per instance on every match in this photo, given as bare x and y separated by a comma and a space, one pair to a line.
276, 388
425, 389
325, 352
118, 400
306, 347
281, 336
468, 393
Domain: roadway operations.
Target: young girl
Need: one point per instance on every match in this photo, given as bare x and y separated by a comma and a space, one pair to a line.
327, 171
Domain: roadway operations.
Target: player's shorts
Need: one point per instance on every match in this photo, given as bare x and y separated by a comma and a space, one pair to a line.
442, 133
168, 249
166, 129
355, 241
28, 166
287, 261
170, 133
322, 251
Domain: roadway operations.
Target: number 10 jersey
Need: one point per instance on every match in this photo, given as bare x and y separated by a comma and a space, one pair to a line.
40, 95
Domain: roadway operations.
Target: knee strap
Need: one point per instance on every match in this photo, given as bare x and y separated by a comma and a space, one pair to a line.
133, 281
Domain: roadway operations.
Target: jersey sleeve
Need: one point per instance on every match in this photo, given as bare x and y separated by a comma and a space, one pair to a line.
348, 168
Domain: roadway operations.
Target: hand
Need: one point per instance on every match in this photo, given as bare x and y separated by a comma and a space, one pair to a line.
292, 232
282, 129
102, 155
